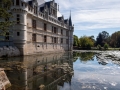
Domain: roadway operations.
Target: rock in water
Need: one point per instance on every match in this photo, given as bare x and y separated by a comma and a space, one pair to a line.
42, 87
4, 82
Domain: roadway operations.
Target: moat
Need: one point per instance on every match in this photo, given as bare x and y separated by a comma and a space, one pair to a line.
62, 71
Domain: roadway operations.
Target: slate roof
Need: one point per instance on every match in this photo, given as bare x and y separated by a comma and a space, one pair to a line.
48, 4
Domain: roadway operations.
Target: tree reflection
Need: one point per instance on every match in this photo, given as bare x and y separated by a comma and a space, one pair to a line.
84, 56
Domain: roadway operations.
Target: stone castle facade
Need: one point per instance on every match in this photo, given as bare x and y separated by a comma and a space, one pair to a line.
40, 28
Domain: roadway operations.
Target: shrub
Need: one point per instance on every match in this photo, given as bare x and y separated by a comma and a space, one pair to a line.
99, 47
106, 46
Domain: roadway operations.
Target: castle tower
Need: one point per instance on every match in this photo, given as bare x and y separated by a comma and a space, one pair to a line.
20, 29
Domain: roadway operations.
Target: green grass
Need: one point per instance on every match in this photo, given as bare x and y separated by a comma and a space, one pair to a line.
113, 48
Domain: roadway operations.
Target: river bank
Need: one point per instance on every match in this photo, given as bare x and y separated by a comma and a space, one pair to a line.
103, 55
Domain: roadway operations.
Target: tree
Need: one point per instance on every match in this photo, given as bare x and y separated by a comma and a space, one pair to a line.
99, 47
86, 42
115, 39
76, 41
92, 38
106, 46
99, 40
102, 38
4, 17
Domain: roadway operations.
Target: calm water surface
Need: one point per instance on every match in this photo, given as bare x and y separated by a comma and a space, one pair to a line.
90, 73
63, 71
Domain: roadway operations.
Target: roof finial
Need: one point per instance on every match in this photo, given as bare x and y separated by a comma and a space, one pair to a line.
58, 6
70, 21
70, 12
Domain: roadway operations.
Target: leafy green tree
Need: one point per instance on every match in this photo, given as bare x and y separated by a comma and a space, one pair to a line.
5, 23
102, 38
99, 47
92, 38
76, 41
86, 42
106, 46
115, 40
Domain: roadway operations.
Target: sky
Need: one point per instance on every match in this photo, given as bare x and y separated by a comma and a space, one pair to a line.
90, 17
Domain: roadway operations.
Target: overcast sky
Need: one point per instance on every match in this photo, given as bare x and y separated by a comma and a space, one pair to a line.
92, 16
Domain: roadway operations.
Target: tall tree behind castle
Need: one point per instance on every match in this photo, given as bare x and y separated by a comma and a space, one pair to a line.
5, 23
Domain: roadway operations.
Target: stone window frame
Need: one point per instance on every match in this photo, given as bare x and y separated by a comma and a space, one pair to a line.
18, 33
67, 33
35, 9
34, 37
61, 40
61, 31
7, 36
52, 39
34, 23
45, 27
18, 18
55, 40
45, 38
66, 41
54, 30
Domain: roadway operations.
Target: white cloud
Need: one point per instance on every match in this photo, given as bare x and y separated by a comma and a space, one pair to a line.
94, 19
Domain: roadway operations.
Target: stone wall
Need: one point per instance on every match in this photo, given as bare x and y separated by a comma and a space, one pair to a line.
40, 48
9, 51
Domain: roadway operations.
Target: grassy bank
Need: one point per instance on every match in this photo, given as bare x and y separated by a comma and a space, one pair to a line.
95, 48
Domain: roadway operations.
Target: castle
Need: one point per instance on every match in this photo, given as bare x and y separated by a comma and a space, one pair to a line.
40, 28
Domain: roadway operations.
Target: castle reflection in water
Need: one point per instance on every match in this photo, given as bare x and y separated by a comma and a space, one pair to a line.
39, 71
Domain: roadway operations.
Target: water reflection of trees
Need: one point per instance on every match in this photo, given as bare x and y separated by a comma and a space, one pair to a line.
84, 56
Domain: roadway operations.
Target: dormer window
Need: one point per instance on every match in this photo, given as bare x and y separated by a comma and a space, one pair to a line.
54, 12
17, 2
13, 2
35, 9
21, 3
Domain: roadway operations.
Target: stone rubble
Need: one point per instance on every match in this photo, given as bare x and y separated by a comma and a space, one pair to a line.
113, 55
